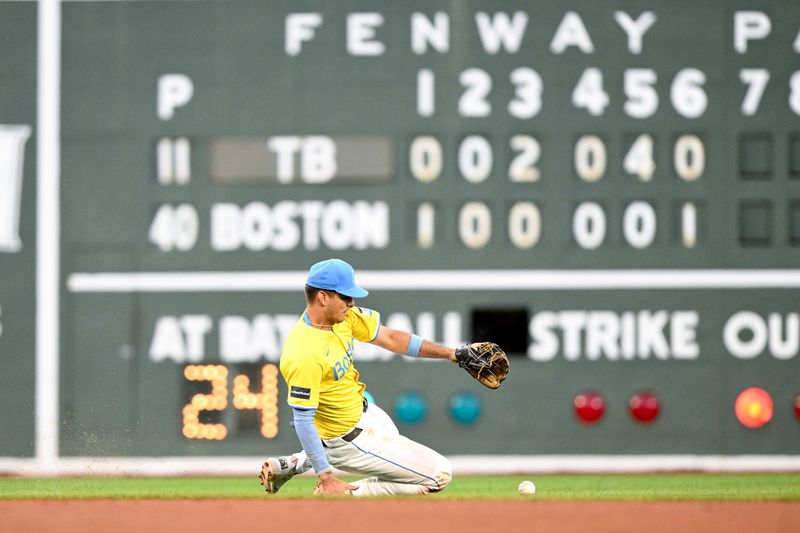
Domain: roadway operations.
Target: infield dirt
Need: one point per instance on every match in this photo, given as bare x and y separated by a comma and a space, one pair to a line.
383, 515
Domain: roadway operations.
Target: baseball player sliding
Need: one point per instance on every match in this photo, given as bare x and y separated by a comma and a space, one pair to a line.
335, 424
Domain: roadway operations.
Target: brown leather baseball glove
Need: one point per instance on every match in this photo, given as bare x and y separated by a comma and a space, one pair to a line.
484, 361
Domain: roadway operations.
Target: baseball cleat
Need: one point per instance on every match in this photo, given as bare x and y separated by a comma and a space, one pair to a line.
275, 472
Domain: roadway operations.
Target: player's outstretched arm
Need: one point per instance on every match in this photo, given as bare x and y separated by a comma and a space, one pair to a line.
402, 342
484, 361
309, 438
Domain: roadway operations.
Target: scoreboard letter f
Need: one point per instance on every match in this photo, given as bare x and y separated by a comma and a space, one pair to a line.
300, 27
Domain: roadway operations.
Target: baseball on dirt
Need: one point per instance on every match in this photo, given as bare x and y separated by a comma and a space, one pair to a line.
526, 488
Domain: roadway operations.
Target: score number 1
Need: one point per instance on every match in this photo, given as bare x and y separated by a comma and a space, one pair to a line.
266, 401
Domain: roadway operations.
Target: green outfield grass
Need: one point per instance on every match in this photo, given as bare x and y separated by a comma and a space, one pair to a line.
756, 487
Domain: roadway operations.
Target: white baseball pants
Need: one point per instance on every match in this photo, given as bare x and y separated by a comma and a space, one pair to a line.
393, 463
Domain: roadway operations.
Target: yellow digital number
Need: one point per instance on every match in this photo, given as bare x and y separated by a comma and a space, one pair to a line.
216, 401
265, 401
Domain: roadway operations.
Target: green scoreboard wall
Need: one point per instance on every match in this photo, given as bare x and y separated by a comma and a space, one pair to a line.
17, 226
609, 189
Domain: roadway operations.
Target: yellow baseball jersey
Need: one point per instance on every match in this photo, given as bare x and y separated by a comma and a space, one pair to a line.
319, 371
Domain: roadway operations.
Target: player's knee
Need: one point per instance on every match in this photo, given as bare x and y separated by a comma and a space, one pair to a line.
443, 476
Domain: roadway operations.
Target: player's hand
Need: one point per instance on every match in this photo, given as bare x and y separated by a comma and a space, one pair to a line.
452, 357
328, 484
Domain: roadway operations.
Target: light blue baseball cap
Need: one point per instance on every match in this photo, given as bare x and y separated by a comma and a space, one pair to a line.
335, 275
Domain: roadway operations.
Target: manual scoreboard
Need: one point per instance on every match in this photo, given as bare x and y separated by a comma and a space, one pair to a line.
611, 190
17, 246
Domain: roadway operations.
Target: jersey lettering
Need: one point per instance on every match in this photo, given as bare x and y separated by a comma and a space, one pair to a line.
341, 367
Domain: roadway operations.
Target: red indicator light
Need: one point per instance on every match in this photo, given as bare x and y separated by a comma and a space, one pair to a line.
589, 407
754, 407
644, 407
